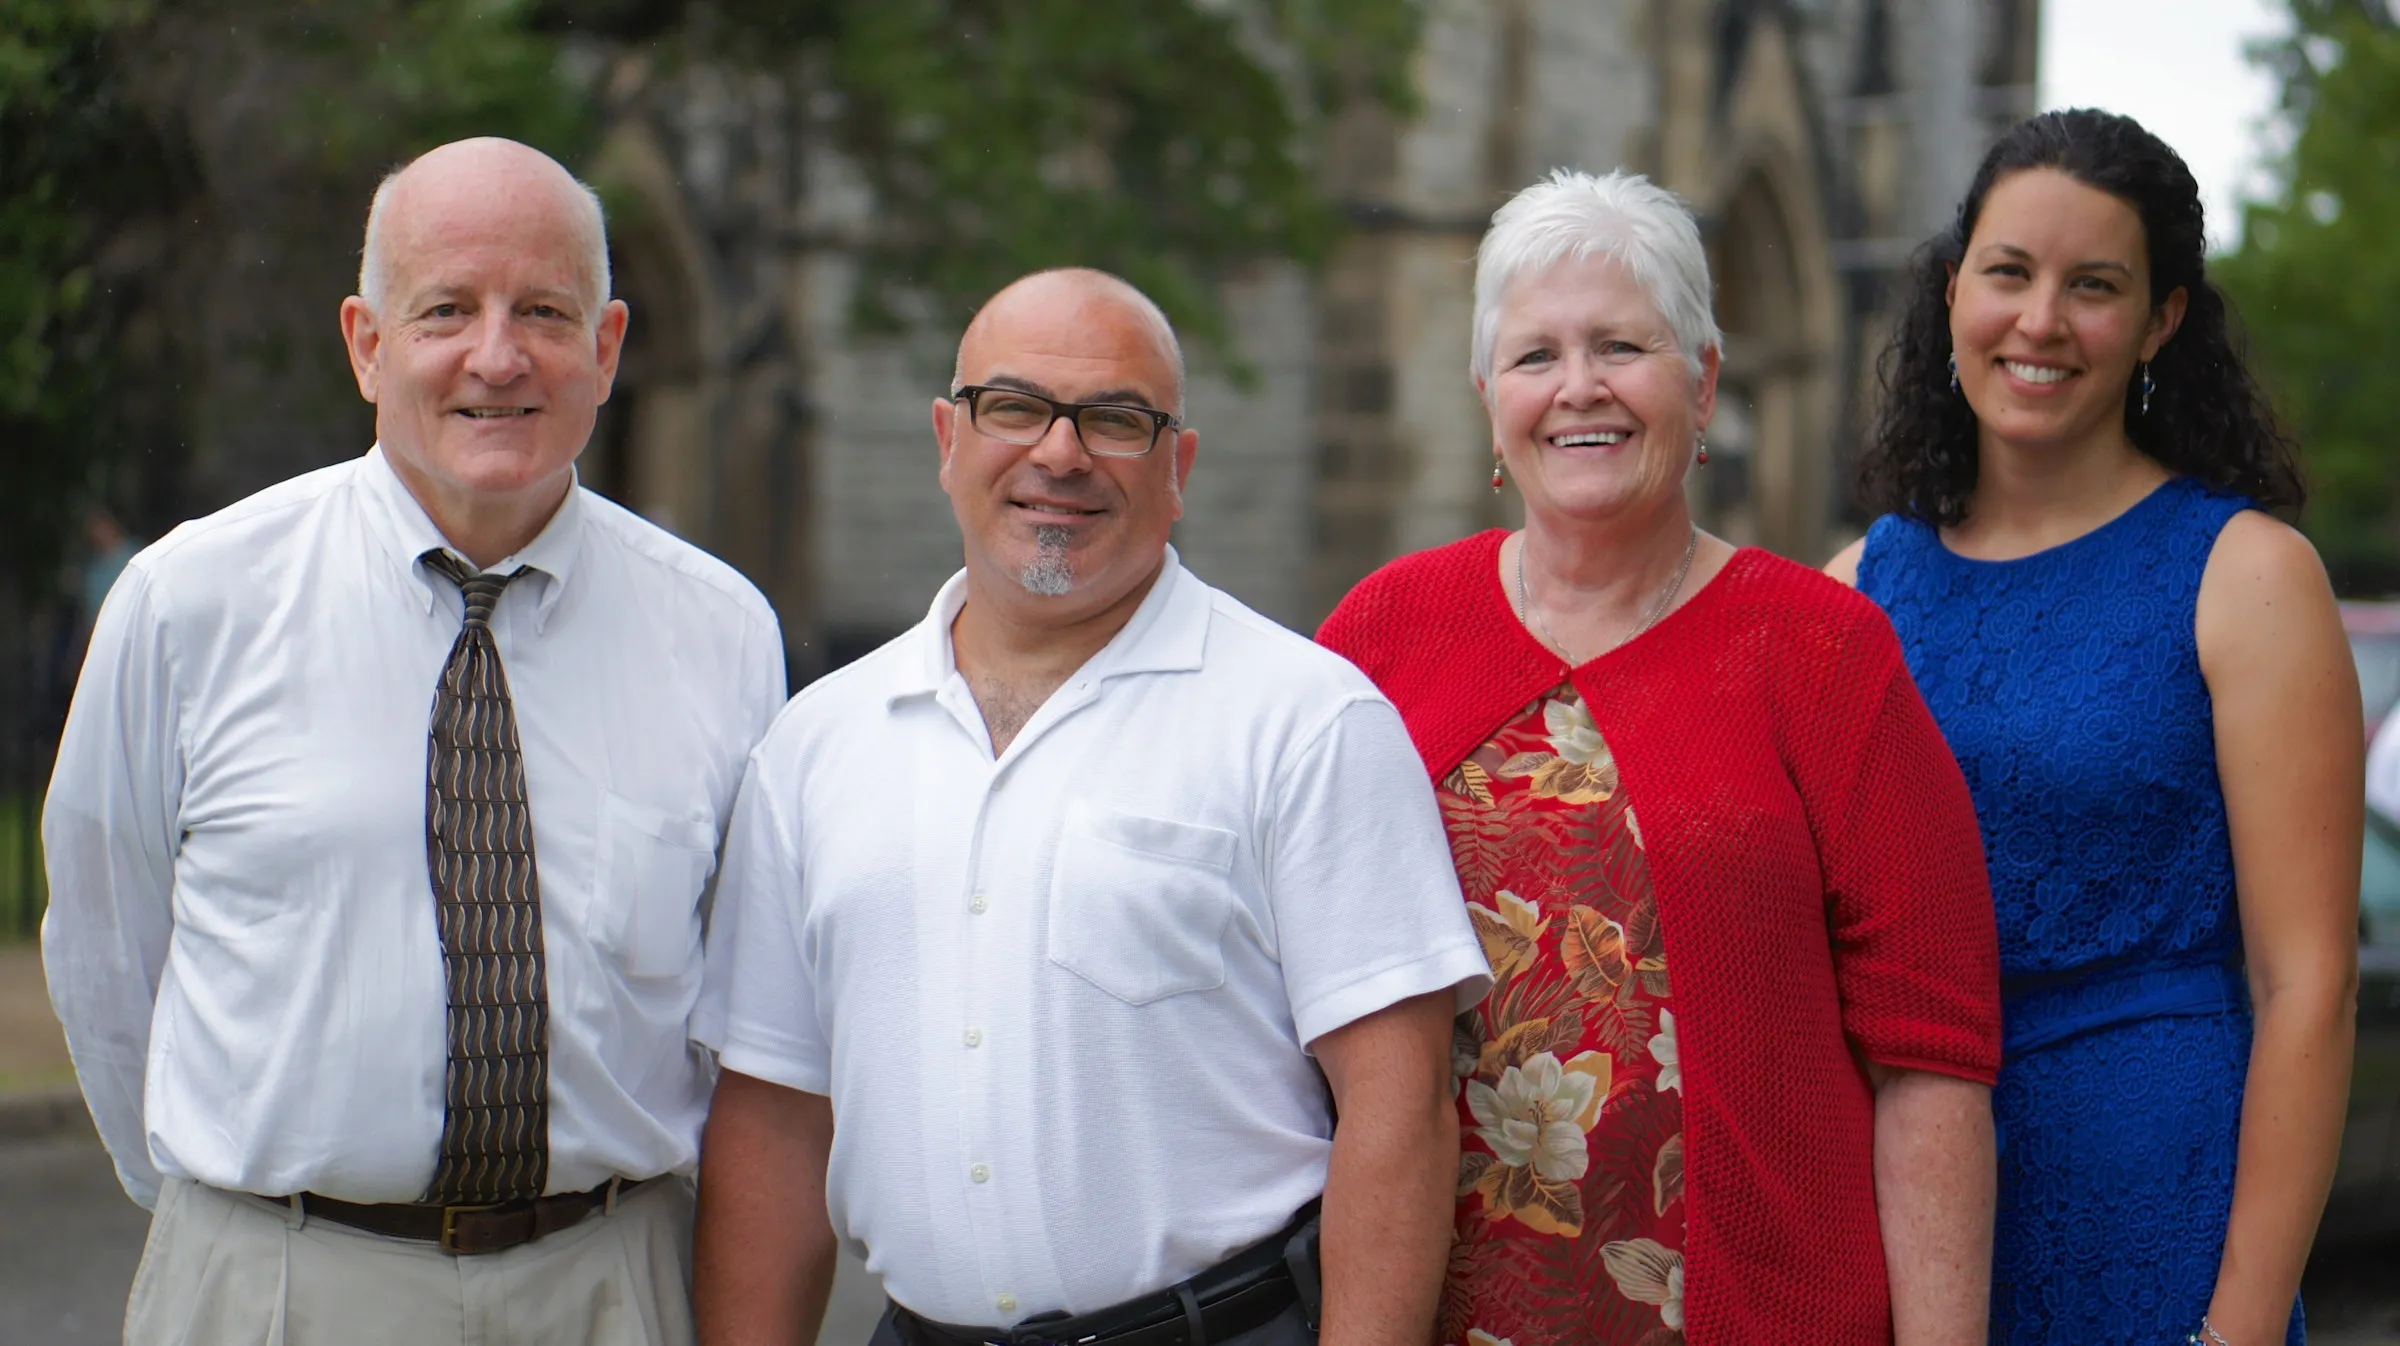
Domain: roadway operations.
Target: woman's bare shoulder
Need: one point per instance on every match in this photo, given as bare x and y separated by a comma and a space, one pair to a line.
1844, 565
2259, 562
2265, 598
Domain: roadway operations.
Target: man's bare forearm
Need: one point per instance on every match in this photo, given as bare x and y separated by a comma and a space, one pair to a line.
1391, 1191
763, 1250
1936, 1175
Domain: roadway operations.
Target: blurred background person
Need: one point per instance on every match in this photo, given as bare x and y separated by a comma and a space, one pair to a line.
1803, 886
109, 548
64, 632
2145, 679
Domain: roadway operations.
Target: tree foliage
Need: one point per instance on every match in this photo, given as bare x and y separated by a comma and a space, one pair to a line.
2317, 278
375, 82
77, 163
102, 188
1168, 140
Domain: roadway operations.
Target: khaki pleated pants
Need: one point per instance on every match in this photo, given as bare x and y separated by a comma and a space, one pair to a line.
222, 1269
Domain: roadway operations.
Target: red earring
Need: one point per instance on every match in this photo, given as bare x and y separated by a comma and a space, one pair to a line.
1495, 477
1704, 451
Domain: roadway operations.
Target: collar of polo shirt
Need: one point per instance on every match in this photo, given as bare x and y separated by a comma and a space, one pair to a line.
1167, 634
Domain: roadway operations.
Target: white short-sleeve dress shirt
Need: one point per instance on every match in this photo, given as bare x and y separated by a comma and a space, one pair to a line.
1059, 999
240, 941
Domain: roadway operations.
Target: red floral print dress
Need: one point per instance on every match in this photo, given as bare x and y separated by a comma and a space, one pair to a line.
1571, 1210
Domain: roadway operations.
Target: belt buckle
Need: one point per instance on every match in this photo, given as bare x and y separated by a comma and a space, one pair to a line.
450, 1214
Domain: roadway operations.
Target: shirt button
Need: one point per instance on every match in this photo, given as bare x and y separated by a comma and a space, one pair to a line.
1007, 1303
980, 1173
974, 1037
977, 904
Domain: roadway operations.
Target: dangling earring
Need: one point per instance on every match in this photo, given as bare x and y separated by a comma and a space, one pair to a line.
1495, 476
1703, 460
1954, 371
2147, 387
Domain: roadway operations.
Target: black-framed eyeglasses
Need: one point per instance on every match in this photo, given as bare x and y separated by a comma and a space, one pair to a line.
1108, 429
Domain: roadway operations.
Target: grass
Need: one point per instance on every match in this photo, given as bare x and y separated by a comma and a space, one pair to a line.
45, 1080
23, 893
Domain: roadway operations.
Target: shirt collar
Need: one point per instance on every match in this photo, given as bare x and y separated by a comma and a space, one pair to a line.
406, 532
1168, 633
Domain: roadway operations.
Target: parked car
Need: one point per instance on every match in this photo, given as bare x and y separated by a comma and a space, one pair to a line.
2366, 1185
2375, 644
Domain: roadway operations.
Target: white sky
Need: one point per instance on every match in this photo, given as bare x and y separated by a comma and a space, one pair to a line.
2177, 67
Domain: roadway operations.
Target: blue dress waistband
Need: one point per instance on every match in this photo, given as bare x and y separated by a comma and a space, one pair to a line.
2045, 1011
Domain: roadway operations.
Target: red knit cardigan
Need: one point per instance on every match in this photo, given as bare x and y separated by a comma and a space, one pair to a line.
1819, 876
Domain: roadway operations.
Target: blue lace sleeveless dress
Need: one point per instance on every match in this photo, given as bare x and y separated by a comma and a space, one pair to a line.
2068, 683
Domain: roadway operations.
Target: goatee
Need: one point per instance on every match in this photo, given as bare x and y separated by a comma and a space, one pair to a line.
1049, 573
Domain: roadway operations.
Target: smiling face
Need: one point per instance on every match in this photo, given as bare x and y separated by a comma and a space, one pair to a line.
490, 351
2050, 311
1049, 524
1594, 408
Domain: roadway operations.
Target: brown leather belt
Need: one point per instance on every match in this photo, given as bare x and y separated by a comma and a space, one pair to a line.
468, 1230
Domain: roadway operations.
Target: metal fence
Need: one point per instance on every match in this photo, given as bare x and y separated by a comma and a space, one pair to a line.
40, 649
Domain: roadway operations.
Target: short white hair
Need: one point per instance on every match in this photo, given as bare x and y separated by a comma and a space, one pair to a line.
375, 269
1625, 217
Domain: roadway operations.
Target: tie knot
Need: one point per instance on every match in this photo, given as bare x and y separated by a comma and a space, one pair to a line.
479, 589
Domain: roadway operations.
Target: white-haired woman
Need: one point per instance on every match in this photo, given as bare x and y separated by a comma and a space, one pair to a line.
1732, 1081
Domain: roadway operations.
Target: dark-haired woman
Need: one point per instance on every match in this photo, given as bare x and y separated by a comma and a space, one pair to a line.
2144, 677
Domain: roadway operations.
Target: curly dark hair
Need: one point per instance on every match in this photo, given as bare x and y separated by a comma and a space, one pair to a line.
2208, 417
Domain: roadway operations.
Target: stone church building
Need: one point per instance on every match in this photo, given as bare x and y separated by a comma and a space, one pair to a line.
1820, 141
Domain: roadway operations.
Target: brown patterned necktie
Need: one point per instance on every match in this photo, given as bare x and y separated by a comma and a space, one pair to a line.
488, 908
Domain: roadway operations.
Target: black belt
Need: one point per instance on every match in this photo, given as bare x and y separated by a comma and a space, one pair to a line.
465, 1230
1243, 1293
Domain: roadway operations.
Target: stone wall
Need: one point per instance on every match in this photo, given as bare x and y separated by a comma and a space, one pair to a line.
1815, 141
1819, 140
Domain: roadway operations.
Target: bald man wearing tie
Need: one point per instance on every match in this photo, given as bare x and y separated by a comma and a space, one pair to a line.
383, 827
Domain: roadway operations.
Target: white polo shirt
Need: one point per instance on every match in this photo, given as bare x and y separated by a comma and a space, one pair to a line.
1059, 999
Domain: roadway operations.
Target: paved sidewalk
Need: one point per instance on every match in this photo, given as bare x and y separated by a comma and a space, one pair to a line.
69, 1246
33, 1055
37, 1084
68, 1251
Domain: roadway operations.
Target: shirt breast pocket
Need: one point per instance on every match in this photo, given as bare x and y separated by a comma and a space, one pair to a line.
652, 865
1139, 906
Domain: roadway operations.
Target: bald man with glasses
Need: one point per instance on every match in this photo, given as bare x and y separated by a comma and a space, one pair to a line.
1054, 935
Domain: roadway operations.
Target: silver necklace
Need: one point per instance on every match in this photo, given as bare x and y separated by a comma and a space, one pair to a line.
1658, 609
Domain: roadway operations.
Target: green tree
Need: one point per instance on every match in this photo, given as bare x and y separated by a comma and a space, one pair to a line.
77, 162
2317, 278
98, 184
1168, 140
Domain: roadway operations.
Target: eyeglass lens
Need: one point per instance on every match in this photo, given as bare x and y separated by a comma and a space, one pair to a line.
1022, 418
